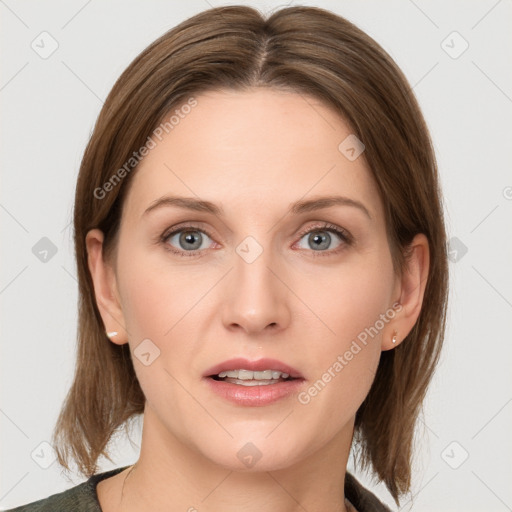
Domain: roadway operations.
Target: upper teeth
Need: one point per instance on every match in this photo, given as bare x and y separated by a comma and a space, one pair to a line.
250, 375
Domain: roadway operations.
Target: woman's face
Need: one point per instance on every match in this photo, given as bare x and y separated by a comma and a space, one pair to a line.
262, 277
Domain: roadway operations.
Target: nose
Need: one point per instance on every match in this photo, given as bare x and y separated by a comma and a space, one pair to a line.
256, 297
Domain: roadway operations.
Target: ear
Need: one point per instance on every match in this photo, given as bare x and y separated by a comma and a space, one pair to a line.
105, 288
410, 288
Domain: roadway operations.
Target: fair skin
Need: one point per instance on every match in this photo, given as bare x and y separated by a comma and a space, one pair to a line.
254, 154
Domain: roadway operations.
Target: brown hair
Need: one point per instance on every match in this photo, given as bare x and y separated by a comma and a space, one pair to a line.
300, 49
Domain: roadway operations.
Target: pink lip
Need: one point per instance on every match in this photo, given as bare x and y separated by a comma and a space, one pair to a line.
254, 396
260, 365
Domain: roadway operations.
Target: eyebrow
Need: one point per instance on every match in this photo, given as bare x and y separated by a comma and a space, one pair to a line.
302, 206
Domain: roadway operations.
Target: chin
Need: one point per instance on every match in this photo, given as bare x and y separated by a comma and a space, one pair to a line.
254, 453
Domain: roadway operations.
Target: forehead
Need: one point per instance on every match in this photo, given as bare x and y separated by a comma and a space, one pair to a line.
252, 149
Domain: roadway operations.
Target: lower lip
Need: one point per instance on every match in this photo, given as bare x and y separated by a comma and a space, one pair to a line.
254, 396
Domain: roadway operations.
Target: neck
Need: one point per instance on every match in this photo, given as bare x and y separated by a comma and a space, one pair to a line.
170, 476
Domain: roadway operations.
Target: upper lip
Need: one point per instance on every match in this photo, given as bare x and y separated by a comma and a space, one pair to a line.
240, 363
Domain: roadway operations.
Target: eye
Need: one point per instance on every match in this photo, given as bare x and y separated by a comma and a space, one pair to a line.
191, 240
319, 239
186, 241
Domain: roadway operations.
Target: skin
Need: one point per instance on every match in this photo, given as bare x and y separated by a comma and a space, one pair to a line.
254, 153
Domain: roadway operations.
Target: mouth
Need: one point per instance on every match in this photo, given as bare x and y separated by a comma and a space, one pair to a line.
253, 383
243, 377
244, 372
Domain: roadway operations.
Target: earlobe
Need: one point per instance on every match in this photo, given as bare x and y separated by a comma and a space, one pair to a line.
104, 281
412, 289
391, 341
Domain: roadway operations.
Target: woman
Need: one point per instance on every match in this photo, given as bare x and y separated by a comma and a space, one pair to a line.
262, 271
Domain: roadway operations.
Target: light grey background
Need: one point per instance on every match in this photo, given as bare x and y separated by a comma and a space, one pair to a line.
49, 107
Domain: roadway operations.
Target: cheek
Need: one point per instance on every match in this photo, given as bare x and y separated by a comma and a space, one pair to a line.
166, 303
349, 299
352, 307
156, 304
156, 293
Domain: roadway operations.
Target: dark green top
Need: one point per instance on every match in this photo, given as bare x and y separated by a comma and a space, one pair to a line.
83, 497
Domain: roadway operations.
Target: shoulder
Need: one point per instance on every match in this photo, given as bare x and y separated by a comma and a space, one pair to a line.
361, 498
81, 498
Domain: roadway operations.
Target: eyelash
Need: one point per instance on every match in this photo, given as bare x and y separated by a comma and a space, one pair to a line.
345, 236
